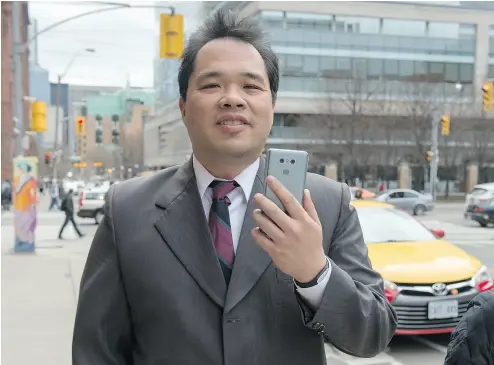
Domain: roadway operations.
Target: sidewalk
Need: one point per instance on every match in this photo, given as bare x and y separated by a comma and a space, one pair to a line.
40, 296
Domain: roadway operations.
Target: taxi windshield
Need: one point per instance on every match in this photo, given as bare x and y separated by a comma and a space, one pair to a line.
391, 225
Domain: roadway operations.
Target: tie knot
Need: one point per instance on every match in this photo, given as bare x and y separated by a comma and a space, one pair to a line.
222, 188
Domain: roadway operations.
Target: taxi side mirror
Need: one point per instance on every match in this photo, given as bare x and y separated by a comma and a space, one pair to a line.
439, 233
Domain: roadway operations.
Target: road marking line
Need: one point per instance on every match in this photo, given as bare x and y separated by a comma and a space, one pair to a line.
435, 346
334, 355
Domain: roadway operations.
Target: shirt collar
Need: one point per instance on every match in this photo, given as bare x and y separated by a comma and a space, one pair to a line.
245, 179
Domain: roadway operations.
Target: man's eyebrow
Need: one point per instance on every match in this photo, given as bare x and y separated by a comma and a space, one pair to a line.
253, 76
207, 75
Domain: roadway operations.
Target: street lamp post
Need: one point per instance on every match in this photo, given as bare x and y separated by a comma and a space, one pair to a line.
57, 112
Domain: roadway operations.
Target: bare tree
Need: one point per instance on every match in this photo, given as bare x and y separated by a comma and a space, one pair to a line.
343, 129
480, 134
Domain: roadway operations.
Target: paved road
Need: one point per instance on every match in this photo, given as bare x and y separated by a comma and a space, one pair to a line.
53, 276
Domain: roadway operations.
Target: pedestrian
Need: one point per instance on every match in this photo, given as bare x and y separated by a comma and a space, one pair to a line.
162, 286
68, 207
472, 341
54, 194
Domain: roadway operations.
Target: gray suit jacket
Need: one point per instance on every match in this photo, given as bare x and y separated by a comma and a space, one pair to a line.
152, 291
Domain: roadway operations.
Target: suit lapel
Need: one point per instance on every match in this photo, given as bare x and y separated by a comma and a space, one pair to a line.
251, 260
183, 226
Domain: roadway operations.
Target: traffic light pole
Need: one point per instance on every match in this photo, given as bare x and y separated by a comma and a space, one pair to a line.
18, 94
436, 119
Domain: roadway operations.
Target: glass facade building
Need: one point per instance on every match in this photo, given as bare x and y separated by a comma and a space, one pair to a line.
491, 52
317, 50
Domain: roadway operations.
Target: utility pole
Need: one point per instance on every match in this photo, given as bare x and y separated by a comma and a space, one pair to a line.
436, 118
57, 122
18, 93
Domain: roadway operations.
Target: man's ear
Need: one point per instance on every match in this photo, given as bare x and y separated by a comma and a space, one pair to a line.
181, 106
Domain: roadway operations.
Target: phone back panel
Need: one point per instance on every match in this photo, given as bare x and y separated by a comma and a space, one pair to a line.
290, 168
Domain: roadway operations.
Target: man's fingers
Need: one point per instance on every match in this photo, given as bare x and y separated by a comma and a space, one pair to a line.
263, 241
292, 206
267, 226
273, 212
309, 207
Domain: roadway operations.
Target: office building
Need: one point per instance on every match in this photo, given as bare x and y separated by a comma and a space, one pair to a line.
8, 133
113, 128
360, 83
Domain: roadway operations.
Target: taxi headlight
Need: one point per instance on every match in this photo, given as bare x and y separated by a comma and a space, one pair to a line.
482, 280
390, 290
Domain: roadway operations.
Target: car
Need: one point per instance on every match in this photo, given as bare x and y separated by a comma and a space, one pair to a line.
483, 213
410, 200
92, 202
481, 193
428, 280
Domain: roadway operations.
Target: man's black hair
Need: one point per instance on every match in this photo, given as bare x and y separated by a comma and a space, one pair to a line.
224, 24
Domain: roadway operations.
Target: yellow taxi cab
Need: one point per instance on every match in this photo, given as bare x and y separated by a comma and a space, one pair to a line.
428, 280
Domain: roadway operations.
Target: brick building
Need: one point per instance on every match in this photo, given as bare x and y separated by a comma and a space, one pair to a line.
7, 133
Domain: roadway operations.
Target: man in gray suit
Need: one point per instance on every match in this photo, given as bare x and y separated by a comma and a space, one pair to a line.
185, 269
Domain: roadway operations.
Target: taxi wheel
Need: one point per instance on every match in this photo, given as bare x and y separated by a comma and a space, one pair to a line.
419, 210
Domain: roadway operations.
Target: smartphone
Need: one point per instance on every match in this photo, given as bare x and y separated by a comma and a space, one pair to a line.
290, 168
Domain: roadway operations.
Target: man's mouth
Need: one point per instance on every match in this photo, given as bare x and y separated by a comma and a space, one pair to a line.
232, 122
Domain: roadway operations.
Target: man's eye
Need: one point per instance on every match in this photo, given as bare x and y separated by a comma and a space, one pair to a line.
252, 87
209, 86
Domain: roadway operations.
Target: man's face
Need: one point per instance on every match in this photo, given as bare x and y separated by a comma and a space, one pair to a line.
229, 108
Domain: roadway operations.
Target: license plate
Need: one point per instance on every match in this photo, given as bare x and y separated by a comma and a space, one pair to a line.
443, 309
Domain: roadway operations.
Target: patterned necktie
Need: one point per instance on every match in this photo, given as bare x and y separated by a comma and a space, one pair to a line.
219, 224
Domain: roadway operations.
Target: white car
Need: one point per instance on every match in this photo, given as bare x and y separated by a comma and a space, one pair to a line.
481, 193
92, 202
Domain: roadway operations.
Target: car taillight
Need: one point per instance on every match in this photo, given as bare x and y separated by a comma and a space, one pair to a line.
81, 197
482, 280
390, 290
479, 210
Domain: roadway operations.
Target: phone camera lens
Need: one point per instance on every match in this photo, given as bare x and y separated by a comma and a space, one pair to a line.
282, 160
292, 162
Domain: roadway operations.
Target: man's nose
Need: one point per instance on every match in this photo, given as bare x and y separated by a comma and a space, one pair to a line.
231, 99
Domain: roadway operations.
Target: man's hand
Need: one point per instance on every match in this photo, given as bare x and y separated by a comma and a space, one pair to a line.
293, 241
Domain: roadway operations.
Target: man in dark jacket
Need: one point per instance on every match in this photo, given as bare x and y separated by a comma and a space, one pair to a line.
472, 342
68, 208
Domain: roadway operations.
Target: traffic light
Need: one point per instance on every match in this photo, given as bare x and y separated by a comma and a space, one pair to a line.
487, 91
445, 125
38, 117
99, 136
115, 135
428, 156
47, 158
80, 126
171, 36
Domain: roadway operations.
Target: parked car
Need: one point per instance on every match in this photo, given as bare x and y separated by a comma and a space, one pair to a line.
428, 280
410, 200
92, 202
481, 193
483, 213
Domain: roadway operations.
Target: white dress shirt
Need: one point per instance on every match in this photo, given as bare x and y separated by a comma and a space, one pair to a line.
239, 199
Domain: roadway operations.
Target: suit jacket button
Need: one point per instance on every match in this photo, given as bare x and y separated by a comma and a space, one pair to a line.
316, 325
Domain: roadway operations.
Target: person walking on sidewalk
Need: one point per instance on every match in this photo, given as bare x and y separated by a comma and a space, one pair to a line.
54, 192
68, 208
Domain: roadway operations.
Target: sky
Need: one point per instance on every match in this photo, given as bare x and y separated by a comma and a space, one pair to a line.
124, 43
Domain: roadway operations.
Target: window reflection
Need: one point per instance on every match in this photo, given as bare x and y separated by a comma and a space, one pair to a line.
372, 69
